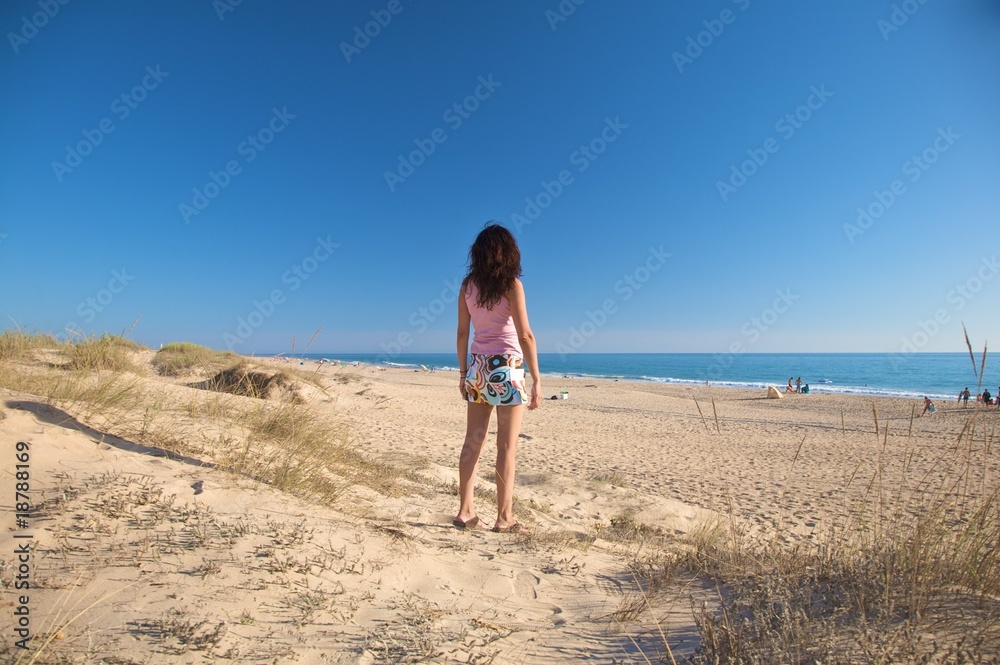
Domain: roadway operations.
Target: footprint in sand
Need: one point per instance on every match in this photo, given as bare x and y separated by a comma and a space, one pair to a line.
525, 585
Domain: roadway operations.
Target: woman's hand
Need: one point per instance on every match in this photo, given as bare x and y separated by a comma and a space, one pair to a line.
536, 398
461, 387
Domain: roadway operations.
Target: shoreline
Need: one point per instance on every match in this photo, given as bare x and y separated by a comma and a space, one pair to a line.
818, 388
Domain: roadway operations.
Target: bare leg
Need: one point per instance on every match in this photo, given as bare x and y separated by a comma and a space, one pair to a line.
476, 426
508, 429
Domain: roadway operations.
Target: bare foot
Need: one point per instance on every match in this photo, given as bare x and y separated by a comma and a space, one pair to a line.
514, 527
470, 523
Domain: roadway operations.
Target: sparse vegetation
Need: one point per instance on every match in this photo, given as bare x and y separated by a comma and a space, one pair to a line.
16, 345
913, 576
179, 358
611, 477
288, 446
274, 438
107, 352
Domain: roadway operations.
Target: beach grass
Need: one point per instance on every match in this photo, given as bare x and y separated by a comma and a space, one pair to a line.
178, 358
288, 447
107, 352
912, 576
17, 345
248, 420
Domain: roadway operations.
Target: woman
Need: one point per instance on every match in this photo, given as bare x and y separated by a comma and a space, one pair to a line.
492, 300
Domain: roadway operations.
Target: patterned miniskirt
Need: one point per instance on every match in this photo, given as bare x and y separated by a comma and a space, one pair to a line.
496, 380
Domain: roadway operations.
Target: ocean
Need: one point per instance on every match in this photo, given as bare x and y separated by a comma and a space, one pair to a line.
938, 375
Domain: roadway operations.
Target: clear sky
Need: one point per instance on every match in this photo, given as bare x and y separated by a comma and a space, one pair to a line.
681, 176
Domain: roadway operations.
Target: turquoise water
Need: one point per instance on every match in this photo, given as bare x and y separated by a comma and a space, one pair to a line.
938, 375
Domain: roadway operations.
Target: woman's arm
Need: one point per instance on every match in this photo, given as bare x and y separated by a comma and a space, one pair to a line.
464, 319
519, 313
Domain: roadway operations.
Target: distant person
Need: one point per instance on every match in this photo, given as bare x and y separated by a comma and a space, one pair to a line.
928, 406
789, 388
492, 300
965, 396
987, 397
798, 385
805, 389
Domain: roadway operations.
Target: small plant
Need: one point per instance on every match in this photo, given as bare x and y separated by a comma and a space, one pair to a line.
613, 478
208, 567
188, 634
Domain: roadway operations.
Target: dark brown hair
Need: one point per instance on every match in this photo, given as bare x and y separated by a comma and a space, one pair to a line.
494, 264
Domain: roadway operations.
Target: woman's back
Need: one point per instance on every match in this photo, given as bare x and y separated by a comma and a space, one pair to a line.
495, 333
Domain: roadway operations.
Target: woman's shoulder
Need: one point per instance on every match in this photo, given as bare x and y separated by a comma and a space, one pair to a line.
516, 291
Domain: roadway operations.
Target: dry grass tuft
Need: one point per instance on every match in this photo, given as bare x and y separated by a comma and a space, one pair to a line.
248, 382
611, 477
17, 345
179, 358
284, 444
107, 352
914, 576
625, 529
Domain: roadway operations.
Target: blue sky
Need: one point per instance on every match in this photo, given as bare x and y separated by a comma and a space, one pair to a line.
241, 174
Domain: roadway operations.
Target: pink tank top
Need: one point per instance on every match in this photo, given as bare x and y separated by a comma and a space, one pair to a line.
494, 328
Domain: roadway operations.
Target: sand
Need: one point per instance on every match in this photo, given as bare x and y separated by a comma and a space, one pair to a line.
673, 461
151, 558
